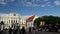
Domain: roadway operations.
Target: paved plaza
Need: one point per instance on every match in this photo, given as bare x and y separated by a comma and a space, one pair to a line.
37, 32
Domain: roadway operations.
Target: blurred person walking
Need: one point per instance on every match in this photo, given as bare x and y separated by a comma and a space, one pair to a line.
33, 31
23, 30
10, 30
29, 29
17, 31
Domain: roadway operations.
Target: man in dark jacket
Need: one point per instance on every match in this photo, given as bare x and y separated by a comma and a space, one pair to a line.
10, 31
29, 29
23, 30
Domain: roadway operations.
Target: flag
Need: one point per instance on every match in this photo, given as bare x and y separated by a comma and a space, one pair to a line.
30, 18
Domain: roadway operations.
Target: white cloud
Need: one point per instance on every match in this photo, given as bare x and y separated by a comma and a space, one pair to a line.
25, 3
52, 6
57, 2
45, 0
21, 2
33, 4
48, 5
37, 0
12, 0
28, 3
48, 2
2, 2
43, 5
36, 5
40, 1
33, 0
25, 0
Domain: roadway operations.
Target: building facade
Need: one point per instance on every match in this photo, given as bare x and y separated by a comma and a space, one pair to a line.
13, 19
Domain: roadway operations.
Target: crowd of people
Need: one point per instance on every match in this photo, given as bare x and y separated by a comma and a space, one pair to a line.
50, 27
46, 28
17, 31
20, 31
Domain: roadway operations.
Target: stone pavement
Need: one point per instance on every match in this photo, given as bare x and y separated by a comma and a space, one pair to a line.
40, 32
37, 32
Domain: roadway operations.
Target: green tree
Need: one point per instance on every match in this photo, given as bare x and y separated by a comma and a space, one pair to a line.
47, 19
37, 21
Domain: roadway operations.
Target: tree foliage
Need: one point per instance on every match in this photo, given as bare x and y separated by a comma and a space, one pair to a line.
47, 20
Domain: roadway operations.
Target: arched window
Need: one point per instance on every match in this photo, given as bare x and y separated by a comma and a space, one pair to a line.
12, 21
16, 21
9, 21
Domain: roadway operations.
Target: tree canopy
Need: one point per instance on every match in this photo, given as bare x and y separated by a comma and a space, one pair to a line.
47, 20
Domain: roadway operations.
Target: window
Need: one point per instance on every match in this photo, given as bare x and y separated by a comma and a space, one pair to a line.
12, 21
9, 21
16, 21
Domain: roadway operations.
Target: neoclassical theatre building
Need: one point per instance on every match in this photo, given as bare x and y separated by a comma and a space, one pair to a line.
14, 19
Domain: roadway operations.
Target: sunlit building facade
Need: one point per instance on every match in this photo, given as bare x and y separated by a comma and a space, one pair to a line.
11, 19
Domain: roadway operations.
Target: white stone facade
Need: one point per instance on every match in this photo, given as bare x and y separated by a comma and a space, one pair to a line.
13, 18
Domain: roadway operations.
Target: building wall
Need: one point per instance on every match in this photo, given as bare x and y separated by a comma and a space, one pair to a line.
10, 19
14, 18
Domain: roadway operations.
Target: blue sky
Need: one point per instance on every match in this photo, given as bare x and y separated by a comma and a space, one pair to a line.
31, 7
